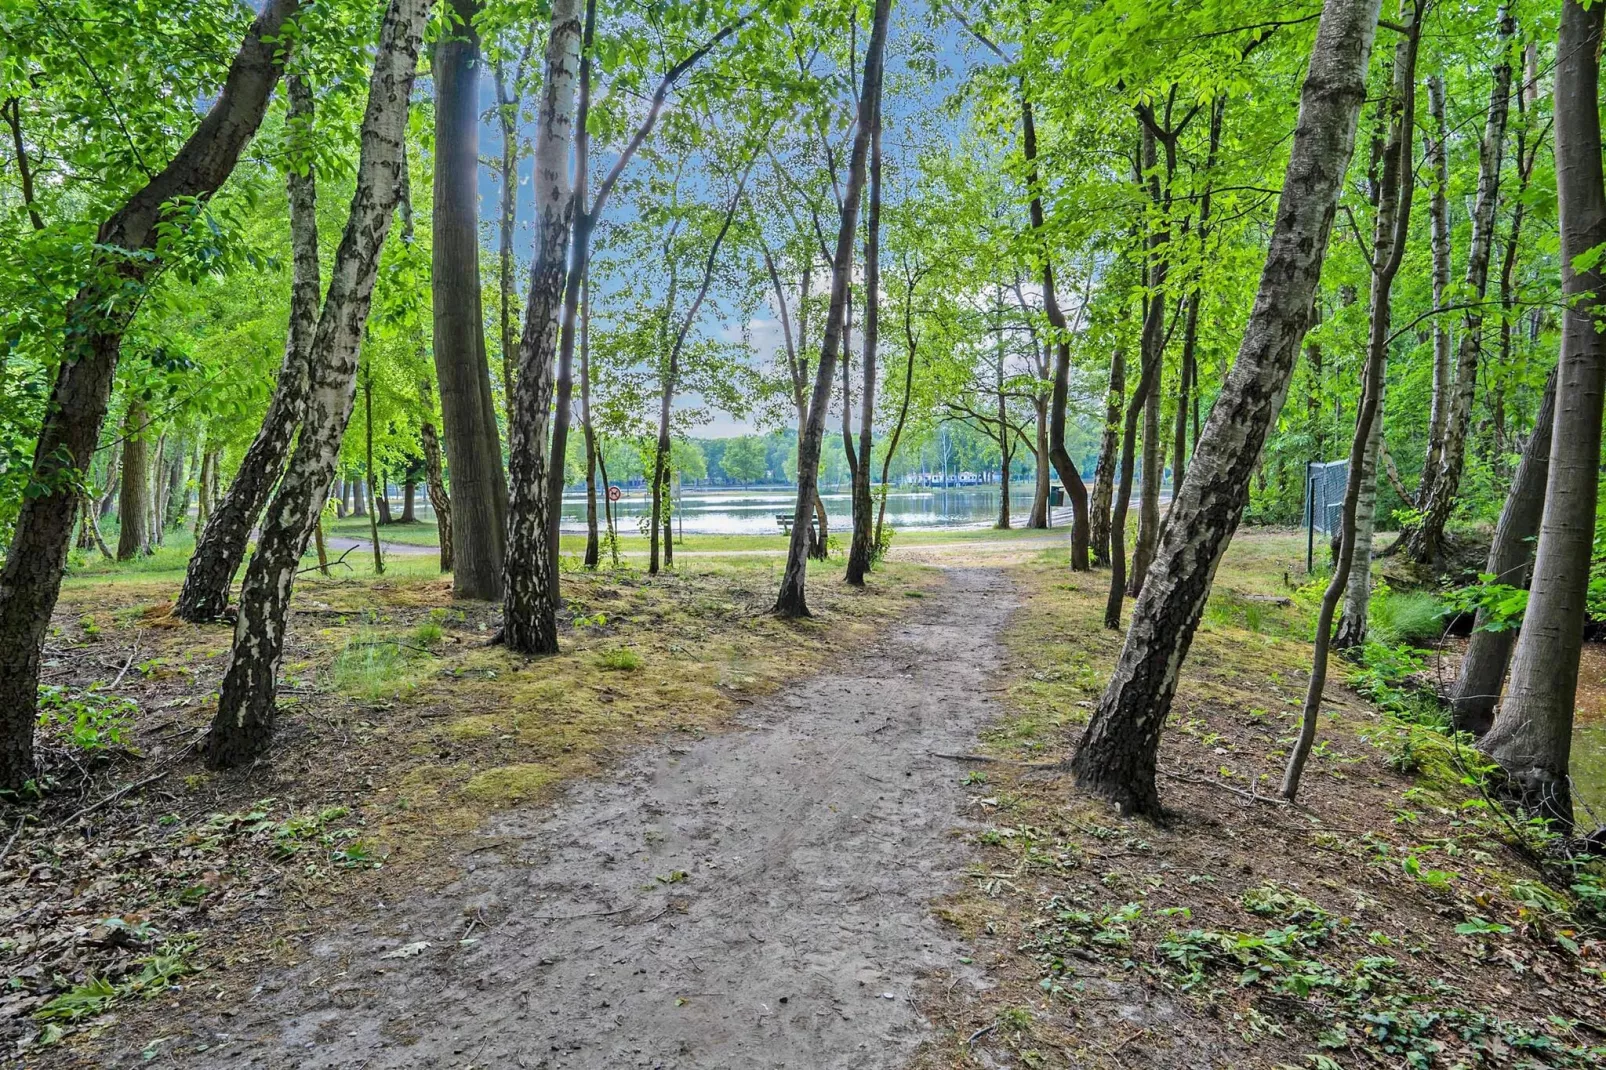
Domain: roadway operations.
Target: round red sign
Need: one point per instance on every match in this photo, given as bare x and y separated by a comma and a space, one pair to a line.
614, 494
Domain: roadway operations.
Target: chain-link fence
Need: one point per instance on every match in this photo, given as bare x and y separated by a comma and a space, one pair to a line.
1324, 502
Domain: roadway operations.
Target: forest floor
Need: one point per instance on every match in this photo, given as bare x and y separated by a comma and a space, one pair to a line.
701, 837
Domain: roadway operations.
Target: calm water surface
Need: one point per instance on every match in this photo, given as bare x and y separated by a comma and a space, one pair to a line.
704, 512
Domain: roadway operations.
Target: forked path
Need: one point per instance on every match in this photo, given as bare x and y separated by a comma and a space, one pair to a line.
755, 899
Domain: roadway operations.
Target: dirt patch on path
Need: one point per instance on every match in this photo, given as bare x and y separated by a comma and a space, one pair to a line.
760, 898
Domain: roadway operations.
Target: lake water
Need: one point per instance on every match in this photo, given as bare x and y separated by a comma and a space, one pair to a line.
753, 512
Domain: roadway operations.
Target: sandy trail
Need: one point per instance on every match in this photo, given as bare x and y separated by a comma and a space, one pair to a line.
755, 899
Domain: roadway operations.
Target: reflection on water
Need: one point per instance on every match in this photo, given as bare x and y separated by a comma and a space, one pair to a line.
1589, 730
753, 512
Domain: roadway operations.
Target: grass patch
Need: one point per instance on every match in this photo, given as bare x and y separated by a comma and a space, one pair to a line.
619, 659
1408, 617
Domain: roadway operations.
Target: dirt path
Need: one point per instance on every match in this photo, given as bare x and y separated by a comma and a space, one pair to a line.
756, 899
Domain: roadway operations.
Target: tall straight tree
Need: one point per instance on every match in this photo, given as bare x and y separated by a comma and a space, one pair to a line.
468, 413
126, 258
1116, 758
529, 615
1391, 227
1532, 733
134, 497
863, 546
243, 725
1426, 542
792, 600
221, 545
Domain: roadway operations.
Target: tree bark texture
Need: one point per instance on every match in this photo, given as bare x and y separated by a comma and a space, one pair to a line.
468, 413
1532, 734
1109, 459
1483, 667
862, 548
133, 501
221, 546
529, 605
243, 725
1116, 758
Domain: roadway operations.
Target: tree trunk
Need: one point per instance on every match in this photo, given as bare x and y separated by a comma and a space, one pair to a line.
1116, 758
529, 607
222, 542
340, 490
409, 513
1149, 508
1059, 394
1352, 622
863, 547
1532, 734
1104, 474
243, 726
792, 600
1438, 159
1483, 668
133, 503
593, 557
468, 414
110, 488
1426, 543
1038, 518
1395, 193
359, 498
378, 490
439, 500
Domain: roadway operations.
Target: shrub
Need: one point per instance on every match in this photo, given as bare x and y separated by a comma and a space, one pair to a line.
619, 659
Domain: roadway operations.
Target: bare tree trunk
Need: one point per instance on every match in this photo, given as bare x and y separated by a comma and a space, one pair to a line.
359, 497
1532, 734
1393, 227
1149, 508
243, 726
912, 344
222, 541
92, 529
863, 546
529, 607
1483, 668
1043, 477
468, 414
593, 556
1426, 543
1116, 758
1395, 193
109, 488
378, 488
133, 503
1438, 159
439, 500
792, 599
1104, 474
409, 514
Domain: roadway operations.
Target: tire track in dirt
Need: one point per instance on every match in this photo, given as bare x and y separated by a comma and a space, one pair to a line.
811, 846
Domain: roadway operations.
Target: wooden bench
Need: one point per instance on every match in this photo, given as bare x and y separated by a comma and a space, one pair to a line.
785, 520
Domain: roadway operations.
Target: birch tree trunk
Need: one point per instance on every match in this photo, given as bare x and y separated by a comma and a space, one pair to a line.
222, 542
243, 725
1116, 758
593, 556
1532, 734
1426, 544
31, 579
1483, 667
792, 599
529, 600
1438, 160
468, 413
